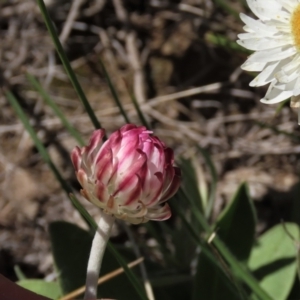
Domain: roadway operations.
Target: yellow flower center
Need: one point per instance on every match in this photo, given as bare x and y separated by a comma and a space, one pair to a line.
295, 24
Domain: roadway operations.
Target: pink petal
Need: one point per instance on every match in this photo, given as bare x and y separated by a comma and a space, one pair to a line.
173, 188
94, 144
125, 180
156, 190
105, 167
127, 153
169, 156
159, 213
133, 195
101, 192
76, 158
127, 127
82, 177
152, 188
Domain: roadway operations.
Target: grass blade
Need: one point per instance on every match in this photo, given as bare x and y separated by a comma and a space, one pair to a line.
224, 4
39, 145
139, 112
44, 154
224, 42
114, 93
55, 109
137, 108
214, 180
239, 270
204, 247
67, 64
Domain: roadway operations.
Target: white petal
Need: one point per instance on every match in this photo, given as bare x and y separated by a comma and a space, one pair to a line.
273, 54
297, 87
289, 5
293, 85
253, 66
289, 71
266, 76
274, 95
265, 43
257, 26
264, 9
284, 77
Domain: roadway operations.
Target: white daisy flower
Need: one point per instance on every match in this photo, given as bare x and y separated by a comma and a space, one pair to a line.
275, 38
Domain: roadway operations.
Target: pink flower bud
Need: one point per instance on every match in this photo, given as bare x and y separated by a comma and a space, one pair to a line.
130, 176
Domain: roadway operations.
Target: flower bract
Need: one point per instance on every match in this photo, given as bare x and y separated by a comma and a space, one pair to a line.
130, 176
275, 38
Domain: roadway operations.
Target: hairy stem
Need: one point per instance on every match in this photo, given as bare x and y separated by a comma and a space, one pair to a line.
97, 251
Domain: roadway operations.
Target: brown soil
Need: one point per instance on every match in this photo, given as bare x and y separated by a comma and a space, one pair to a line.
155, 48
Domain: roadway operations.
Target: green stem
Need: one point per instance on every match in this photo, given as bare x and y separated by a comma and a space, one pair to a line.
55, 109
239, 270
67, 64
114, 93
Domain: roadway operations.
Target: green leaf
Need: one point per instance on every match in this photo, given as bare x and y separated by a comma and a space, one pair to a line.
236, 227
205, 248
239, 269
295, 292
71, 247
209, 283
41, 287
236, 224
176, 289
19, 273
214, 179
190, 183
273, 260
294, 196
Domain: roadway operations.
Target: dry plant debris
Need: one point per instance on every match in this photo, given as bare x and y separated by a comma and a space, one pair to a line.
191, 90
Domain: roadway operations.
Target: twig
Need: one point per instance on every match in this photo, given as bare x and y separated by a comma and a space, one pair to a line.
102, 279
95, 8
73, 14
187, 93
138, 74
191, 9
120, 11
143, 270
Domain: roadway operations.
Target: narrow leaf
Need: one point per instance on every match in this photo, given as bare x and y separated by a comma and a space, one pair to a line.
209, 283
214, 180
236, 224
114, 93
55, 109
67, 64
43, 152
39, 145
238, 269
139, 111
19, 273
